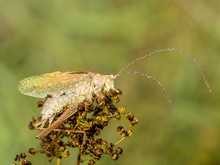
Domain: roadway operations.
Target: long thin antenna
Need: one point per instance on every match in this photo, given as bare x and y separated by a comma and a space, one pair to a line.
166, 50
152, 78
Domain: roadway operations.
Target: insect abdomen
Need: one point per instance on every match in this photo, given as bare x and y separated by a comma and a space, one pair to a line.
54, 105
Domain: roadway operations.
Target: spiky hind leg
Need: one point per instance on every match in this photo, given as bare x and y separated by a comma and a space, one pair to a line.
65, 115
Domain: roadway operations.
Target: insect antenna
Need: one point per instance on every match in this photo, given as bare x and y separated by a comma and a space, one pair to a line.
151, 78
167, 50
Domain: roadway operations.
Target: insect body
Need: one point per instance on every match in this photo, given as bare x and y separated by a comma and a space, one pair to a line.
64, 88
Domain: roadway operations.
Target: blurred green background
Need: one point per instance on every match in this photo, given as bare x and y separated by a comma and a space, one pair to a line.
103, 36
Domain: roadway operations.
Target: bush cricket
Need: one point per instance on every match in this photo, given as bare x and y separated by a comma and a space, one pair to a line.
71, 88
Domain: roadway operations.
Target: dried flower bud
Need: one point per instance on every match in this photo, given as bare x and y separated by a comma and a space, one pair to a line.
109, 151
91, 162
129, 116
16, 157
22, 155
119, 150
31, 151
121, 110
120, 129
25, 162
115, 156
134, 122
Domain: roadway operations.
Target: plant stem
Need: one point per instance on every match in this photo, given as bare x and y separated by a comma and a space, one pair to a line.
119, 141
78, 158
58, 161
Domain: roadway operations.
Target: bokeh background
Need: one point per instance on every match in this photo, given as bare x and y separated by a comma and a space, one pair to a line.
103, 36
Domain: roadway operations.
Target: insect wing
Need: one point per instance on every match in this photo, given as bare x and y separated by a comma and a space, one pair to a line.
67, 82
54, 84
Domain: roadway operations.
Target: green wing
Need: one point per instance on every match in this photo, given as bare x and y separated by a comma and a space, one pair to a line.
55, 83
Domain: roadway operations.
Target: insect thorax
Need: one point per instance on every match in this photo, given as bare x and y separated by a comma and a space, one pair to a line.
100, 82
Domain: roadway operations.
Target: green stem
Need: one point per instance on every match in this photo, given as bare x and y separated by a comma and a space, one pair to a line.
119, 141
58, 161
78, 158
